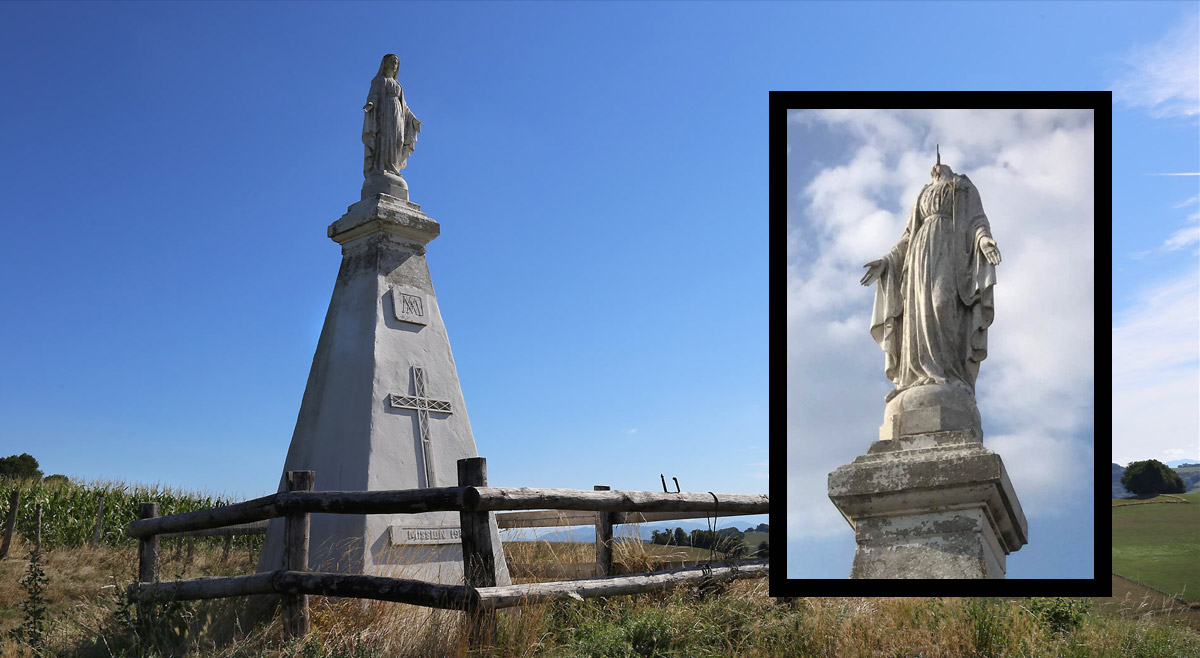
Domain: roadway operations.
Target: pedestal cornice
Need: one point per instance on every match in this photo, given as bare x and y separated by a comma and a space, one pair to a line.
386, 217
931, 478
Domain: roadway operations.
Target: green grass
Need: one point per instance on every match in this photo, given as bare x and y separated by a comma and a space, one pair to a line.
1159, 545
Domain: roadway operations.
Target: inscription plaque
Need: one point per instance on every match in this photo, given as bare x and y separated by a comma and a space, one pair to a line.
409, 305
424, 535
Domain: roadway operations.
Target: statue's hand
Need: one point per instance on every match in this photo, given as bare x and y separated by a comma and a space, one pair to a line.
874, 271
368, 106
990, 252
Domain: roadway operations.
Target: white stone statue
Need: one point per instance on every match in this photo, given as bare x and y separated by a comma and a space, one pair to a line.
934, 303
389, 127
928, 500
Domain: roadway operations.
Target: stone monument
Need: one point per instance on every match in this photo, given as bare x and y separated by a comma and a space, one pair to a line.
383, 408
927, 500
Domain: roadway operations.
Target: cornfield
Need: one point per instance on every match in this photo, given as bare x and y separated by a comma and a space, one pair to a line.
69, 510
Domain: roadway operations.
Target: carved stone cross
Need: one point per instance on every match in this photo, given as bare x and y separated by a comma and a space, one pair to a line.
422, 405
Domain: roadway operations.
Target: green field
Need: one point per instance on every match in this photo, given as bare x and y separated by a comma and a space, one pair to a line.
1159, 545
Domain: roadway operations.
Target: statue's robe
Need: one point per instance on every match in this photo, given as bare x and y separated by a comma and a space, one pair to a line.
933, 304
389, 128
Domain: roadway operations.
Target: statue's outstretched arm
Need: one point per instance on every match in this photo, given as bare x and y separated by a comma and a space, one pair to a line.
876, 268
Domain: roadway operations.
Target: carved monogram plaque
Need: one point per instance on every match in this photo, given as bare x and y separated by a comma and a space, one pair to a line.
410, 305
424, 535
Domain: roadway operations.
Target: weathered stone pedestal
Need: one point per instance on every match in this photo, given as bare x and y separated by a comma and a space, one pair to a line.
383, 408
931, 502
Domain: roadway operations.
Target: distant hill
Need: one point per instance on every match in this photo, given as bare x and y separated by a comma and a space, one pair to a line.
1191, 476
1183, 462
1118, 491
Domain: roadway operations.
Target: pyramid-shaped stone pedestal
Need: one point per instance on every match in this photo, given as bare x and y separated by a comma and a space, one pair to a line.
382, 408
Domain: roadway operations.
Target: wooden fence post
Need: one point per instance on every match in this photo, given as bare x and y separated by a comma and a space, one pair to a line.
228, 546
37, 525
295, 557
191, 546
14, 499
604, 540
99, 522
148, 547
479, 560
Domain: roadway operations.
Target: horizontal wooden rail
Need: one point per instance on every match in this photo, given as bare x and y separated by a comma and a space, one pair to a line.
203, 588
523, 498
395, 501
399, 590
251, 510
450, 499
399, 501
649, 517
572, 570
551, 518
543, 519
415, 592
256, 528
491, 598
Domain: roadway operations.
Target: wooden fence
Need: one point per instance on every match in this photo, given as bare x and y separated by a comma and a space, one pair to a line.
602, 565
474, 500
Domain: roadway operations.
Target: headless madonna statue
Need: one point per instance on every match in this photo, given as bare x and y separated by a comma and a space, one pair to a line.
933, 307
389, 133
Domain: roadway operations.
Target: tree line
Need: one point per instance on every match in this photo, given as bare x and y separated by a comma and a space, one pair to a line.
730, 541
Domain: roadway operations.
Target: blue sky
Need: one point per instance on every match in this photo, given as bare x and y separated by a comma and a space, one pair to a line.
170, 169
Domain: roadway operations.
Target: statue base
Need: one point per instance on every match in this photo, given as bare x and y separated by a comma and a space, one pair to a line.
385, 183
929, 505
930, 408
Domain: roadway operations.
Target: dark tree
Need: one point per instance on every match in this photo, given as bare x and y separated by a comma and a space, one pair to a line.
1151, 477
20, 466
681, 538
764, 549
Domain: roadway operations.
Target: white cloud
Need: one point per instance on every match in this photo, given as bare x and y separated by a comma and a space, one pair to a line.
1034, 169
1160, 333
1045, 466
1156, 371
1182, 238
1164, 76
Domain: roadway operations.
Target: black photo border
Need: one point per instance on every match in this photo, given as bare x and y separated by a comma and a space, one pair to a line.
780, 103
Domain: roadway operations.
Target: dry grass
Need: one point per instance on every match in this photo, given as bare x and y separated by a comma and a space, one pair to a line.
735, 619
